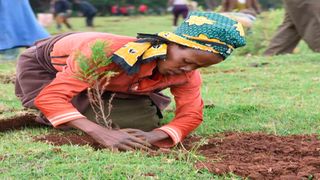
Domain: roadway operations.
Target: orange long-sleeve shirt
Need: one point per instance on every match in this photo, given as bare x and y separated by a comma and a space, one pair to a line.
54, 100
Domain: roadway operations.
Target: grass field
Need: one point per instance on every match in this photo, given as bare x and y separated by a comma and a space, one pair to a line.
278, 95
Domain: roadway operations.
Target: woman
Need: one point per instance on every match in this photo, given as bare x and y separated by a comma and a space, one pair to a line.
46, 80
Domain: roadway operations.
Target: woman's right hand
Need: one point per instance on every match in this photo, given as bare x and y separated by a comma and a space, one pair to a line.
118, 140
109, 138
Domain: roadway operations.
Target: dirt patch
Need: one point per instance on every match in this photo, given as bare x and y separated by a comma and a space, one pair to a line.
18, 122
69, 139
7, 79
252, 155
261, 156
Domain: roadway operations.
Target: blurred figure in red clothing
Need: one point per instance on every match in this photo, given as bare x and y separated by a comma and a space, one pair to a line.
115, 10
143, 9
123, 10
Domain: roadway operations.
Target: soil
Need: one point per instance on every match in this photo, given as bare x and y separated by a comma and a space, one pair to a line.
251, 155
261, 156
18, 122
67, 138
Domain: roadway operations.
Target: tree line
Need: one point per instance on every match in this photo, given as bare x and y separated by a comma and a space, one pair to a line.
104, 6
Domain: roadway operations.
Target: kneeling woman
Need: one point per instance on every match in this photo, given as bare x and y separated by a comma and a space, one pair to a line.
46, 80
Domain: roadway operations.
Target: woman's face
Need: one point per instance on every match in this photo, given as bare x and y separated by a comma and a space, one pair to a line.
182, 59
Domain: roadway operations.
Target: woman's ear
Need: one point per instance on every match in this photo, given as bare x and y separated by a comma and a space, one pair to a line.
220, 56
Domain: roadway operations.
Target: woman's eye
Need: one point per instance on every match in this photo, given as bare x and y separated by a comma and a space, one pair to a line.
182, 47
186, 61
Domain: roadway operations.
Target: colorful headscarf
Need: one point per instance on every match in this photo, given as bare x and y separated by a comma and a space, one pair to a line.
133, 54
205, 31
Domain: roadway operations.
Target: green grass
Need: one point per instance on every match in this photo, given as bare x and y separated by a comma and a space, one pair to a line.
39, 160
281, 97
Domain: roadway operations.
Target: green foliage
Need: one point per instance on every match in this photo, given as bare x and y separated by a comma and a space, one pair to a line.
92, 72
90, 68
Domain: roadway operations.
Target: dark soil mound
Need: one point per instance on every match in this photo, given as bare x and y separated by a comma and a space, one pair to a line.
18, 122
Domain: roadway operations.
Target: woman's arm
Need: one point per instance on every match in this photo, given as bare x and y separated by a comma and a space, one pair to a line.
188, 114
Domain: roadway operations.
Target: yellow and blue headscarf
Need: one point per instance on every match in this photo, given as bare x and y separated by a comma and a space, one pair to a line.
205, 31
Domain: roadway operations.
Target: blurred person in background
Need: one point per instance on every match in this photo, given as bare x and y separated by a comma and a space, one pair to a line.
143, 9
87, 10
193, 5
178, 7
244, 11
239, 5
124, 10
19, 27
115, 10
61, 10
301, 21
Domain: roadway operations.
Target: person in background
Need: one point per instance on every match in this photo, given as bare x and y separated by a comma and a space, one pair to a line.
301, 21
193, 5
19, 28
143, 9
244, 11
144, 67
88, 10
124, 10
61, 10
115, 10
179, 7
240, 5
